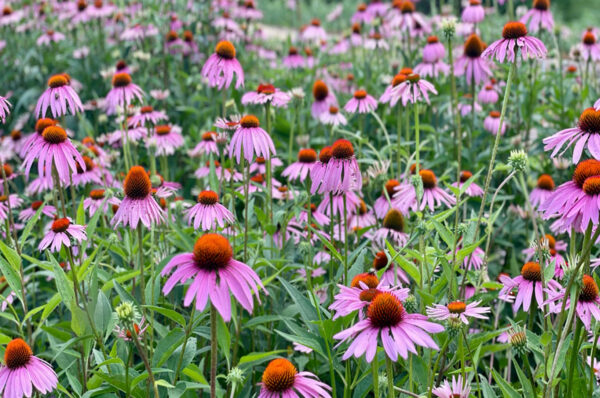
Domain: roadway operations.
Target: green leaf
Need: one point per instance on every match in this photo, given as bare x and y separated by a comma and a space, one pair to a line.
507, 390
11, 256
525, 383
171, 314
12, 277
258, 357
63, 285
29, 226
307, 311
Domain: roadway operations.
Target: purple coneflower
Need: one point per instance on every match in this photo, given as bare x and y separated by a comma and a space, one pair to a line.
588, 302
22, 370
457, 310
343, 172
250, 139
88, 174
413, 89
399, 330
590, 48
404, 16
575, 202
138, 203
221, 66
352, 202
53, 150
293, 60
542, 191
383, 203
473, 189
97, 201
528, 284
267, 93
215, 274
26, 214
471, 64
58, 97
585, 135
362, 217
390, 95
361, 102
488, 95
4, 109
207, 145
167, 138
492, 122
433, 50
361, 16
514, 37
405, 198
123, 92
48, 37
299, 170
539, 17
323, 99
281, 379
313, 32
333, 117
60, 233
456, 389
208, 212
126, 334
147, 115
392, 230
473, 13
357, 297
376, 41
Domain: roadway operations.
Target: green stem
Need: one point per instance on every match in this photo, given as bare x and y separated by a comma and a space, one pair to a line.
213, 351
375, 371
390, 376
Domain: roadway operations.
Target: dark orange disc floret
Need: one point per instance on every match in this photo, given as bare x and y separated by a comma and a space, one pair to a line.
249, 121
342, 149
362, 208
475, 2
589, 289
137, 184
368, 295
260, 160
457, 307
368, 278
473, 46
212, 252
98, 3
121, 79
584, 170
17, 354
171, 36
225, 49
551, 241
54, 134
532, 271
415, 77
407, 7
360, 94
146, 109
3, 198
7, 10
465, 175
390, 187
36, 205
58, 81
514, 30
89, 165
571, 69
356, 28
429, 179
542, 5
97, 194
258, 179
432, 39
320, 90
589, 121
208, 197
60, 225
293, 51
385, 310
121, 64
188, 36
591, 185
394, 220
546, 182
333, 110
279, 375
325, 155
265, 89
315, 22
589, 38
307, 155
41, 124
406, 71
375, 36
308, 52
362, 7
495, 114
163, 129
8, 170
399, 78
380, 261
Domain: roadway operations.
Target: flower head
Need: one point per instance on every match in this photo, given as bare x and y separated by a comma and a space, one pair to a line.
222, 65
515, 38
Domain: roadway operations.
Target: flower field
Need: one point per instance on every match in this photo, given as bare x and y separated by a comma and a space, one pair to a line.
300, 198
